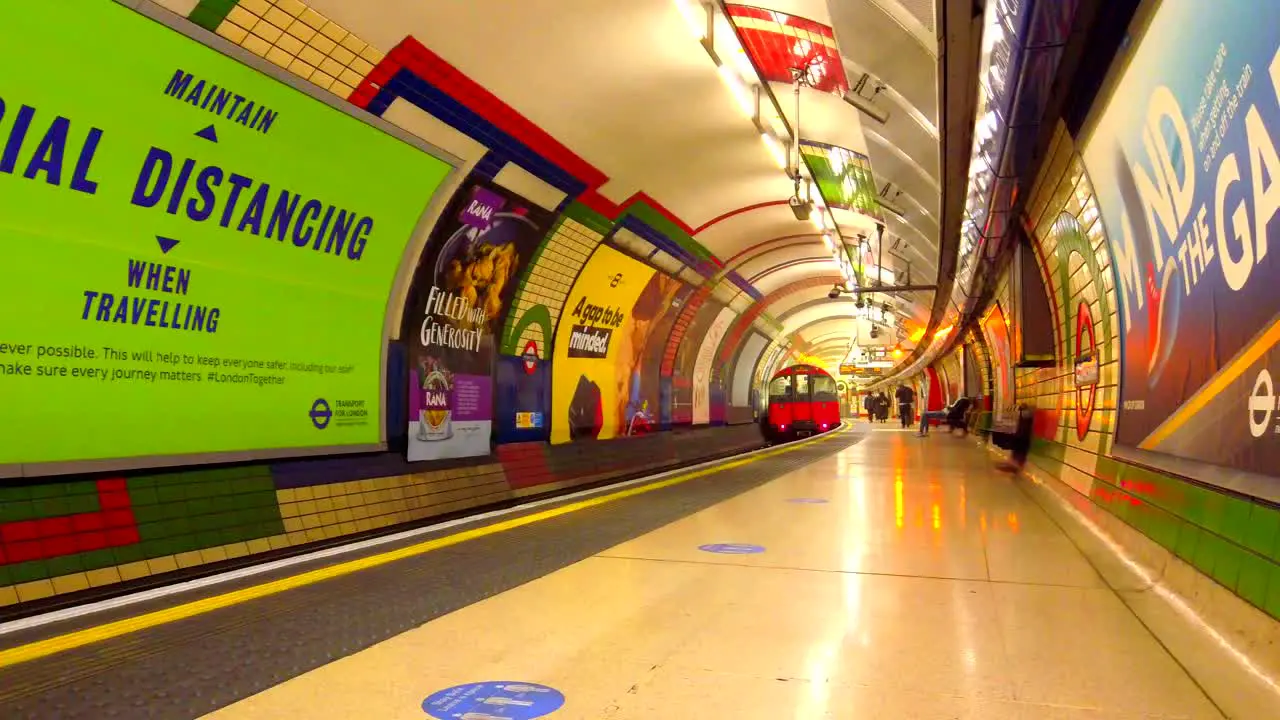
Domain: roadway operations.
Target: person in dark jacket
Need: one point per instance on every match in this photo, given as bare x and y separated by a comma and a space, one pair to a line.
958, 415
906, 398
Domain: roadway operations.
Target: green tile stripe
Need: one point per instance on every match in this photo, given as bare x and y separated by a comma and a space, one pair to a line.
1235, 541
1048, 448
508, 337
50, 500
590, 218
181, 512
209, 14
658, 221
547, 284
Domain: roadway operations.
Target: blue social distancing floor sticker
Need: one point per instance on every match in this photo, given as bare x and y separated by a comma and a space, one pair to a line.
808, 501
732, 548
494, 700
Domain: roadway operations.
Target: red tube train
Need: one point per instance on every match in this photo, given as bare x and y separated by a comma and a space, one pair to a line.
803, 400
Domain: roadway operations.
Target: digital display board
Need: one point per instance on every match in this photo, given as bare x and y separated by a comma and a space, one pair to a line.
197, 257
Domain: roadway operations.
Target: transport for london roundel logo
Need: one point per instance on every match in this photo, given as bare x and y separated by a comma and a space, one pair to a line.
1262, 404
530, 356
321, 413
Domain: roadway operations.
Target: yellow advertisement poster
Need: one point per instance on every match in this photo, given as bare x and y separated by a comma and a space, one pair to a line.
599, 342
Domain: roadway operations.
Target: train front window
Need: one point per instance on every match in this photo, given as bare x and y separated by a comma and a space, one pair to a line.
780, 389
824, 389
802, 388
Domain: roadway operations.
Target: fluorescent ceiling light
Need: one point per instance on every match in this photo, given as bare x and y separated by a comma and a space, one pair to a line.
741, 93
695, 15
775, 149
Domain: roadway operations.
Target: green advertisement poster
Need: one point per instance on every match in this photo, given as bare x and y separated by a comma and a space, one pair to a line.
195, 258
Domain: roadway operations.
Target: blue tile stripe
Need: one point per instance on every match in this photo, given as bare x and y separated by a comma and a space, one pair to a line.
503, 147
490, 165
661, 241
744, 286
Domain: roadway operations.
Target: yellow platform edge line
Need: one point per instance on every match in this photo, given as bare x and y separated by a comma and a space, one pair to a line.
88, 636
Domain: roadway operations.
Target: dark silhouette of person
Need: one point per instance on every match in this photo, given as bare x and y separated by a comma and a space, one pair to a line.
906, 404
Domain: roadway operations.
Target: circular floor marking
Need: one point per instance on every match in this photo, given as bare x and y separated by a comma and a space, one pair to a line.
496, 699
732, 548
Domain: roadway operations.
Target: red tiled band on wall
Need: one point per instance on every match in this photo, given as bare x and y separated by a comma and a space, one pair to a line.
412, 55
110, 525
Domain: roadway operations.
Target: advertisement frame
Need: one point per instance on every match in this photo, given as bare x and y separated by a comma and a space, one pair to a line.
170, 21
999, 388
528, 225
1238, 480
558, 421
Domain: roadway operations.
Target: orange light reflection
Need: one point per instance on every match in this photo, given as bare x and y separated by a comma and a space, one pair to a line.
899, 507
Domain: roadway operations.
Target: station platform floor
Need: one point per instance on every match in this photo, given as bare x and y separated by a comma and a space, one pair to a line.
866, 573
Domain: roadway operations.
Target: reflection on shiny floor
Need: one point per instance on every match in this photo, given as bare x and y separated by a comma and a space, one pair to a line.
900, 578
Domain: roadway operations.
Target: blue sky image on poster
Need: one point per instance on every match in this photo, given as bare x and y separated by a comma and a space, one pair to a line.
1184, 164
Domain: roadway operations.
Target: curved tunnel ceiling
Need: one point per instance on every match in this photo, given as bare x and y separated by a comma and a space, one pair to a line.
630, 92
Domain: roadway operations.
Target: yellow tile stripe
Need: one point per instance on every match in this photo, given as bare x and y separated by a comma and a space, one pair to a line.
1225, 377
769, 26
107, 631
301, 40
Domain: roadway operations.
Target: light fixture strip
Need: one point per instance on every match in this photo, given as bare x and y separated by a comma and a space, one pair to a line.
1000, 57
1000, 53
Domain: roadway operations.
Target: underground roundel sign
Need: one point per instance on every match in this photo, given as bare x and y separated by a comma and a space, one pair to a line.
530, 356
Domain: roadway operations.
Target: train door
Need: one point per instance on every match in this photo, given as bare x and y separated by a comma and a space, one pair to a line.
826, 401
802, 411
777, 418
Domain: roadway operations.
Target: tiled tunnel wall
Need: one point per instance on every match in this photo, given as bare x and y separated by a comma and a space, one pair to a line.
70, 534
1233, 539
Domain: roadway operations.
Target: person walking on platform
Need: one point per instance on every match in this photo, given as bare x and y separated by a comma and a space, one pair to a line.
906, 405
884, 407
926, 414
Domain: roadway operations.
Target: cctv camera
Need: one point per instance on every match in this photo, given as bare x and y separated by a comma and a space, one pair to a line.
800, 208
834, 293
